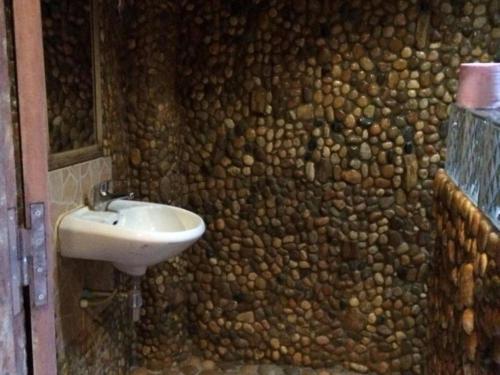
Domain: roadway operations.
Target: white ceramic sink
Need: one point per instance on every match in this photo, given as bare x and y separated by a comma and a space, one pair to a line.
131, 234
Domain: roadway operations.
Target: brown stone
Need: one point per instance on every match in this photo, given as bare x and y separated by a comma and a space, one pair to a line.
471, 346
275, 343
247, 317
400, 64
467, 285
324, 170
322, 340
422, 31
387, 171
410, 176
305, 112
468, 321
366, 63
352, 176
135, 157
324, 56
353, 319
382, 183
393, 80
258, 101
350, 121
260, 283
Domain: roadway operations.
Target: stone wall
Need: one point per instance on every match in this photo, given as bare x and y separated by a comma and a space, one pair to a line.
13, 97
156, 144
307, 134
313, 131
464, 287
67, 35
113, 25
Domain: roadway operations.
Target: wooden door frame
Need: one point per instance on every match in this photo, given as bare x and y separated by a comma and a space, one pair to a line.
32, 104
12, 330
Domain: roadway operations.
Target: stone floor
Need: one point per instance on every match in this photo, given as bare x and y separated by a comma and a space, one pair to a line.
196, 366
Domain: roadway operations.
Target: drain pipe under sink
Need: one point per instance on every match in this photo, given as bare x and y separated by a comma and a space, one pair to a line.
135, 299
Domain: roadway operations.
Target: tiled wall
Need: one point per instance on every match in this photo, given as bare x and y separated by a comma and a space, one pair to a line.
71, 187
87, 342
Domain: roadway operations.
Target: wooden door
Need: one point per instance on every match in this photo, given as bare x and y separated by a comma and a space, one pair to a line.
27, 328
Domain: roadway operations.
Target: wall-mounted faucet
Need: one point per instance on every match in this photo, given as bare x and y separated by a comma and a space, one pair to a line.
103, 196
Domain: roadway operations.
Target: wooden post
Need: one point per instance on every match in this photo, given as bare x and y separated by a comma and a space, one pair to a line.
34, 145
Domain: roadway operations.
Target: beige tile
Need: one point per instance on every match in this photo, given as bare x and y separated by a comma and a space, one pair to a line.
55, 185
67, 189
86, 187
71, 188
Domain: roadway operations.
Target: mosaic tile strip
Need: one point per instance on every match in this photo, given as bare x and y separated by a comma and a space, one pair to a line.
474, 157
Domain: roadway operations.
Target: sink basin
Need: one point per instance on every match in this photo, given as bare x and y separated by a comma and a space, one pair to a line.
131, 234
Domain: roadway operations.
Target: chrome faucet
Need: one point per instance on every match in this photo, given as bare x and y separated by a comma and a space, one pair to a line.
103, 196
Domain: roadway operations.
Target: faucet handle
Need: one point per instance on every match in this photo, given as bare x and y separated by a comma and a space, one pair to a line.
104, 187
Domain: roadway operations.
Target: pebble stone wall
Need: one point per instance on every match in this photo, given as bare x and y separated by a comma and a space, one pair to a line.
307, 134
312, 134
113, 22
464, 290
156, 142
68, 67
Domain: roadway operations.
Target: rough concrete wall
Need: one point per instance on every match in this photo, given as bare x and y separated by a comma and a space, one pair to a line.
464, 287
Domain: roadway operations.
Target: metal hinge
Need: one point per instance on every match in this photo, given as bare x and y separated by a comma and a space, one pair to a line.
28, 257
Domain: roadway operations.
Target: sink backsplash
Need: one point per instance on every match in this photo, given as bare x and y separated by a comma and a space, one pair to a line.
79, 337
473, 157
71, 186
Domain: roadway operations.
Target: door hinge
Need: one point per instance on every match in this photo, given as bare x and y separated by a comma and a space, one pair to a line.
28, 255
15, 262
